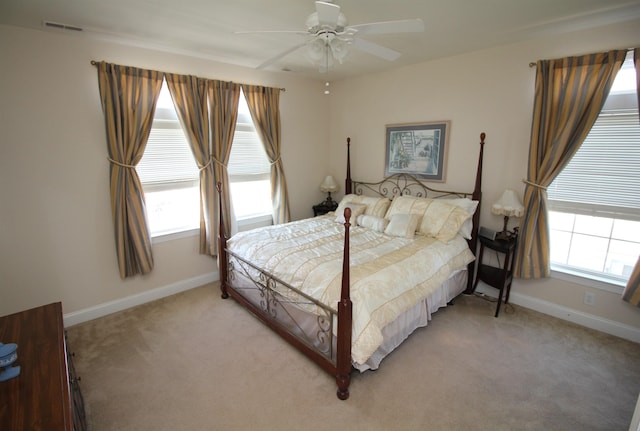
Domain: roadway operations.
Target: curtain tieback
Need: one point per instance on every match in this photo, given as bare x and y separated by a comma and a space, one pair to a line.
206, 166
120, 164
209, 163
275, 161
534, 184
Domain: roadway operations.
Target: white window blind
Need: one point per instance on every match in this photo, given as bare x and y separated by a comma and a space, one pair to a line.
167, 156
603, 178
248, 160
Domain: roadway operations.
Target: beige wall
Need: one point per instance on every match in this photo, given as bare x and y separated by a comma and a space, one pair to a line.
56, 240
485, 91
56, 237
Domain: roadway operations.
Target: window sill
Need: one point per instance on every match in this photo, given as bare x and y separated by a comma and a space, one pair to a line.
587, 280
255, 221
170, 236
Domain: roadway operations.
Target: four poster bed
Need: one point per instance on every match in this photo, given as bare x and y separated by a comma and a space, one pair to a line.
346, 288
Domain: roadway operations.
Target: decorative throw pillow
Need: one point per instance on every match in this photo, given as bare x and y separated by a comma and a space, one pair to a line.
442, 220
470, 207
408, 205
356, 210
377, 224
375, 206
402, 225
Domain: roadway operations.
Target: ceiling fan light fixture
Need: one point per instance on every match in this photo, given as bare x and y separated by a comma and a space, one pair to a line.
339, 49
313, 23
315, 51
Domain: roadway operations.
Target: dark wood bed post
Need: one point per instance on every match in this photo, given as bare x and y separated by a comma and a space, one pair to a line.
343, 358
222, 246
347, 182
477, 195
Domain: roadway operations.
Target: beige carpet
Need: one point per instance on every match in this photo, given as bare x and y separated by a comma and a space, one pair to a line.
196, 362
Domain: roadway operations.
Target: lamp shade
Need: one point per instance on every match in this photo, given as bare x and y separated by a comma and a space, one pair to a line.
508, 205
329, 184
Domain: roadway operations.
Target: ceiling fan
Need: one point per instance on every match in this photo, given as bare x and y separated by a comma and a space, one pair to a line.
329, 37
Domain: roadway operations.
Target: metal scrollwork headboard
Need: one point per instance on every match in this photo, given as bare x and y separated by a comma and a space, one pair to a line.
404, 185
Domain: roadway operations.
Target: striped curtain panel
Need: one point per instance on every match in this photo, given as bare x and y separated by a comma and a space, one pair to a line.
569, 95
223, 101
264, 105
189, 94
631, 293
128, 97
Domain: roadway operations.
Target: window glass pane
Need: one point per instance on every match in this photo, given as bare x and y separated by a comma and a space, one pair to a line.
175, 210
627, 230
561, 221
622, 257
251, 198
597, 226
560, 245
588, 252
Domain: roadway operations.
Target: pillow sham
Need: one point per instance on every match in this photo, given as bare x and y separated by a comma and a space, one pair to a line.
470, 207
375, 206
377, 224
402, 225
438, 218
356, 210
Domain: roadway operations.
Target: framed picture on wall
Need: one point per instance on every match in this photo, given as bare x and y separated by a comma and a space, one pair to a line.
417, 149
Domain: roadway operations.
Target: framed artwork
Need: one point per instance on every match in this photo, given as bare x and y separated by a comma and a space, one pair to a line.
417, 149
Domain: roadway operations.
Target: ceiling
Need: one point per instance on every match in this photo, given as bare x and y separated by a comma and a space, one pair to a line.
207, 28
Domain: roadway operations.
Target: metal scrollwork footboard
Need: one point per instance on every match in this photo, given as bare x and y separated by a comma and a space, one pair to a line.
297, 313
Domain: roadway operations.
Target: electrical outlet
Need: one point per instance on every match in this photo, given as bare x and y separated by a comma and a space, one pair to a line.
589, 298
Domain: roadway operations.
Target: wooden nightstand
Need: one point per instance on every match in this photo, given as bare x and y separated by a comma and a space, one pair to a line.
324, 207
499, 278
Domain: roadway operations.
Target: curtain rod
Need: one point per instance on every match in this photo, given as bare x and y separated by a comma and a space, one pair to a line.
95, 63
533, 63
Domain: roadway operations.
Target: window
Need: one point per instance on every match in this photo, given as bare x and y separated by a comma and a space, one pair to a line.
594, 209
169, 173
249, 172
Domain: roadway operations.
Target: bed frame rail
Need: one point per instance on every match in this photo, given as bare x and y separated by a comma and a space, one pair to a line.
341, 367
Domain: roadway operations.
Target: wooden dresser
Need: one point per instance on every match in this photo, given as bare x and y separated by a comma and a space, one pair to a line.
46, 394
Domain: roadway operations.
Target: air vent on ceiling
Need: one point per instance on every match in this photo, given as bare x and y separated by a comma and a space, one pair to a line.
59, 26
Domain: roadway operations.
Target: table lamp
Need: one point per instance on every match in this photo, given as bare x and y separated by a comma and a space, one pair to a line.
509, 205
329, 185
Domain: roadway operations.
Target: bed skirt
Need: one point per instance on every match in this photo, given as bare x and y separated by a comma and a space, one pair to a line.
318, 331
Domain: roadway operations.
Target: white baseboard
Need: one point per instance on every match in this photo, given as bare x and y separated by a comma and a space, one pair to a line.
592, 321
101, 310
585, 319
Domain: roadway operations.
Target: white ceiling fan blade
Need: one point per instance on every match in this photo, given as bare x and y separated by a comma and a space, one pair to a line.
281, 55
386, 27
327, 13
272, 31
375, 49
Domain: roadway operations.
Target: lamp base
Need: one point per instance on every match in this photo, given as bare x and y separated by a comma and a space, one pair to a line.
329, 201
505, 235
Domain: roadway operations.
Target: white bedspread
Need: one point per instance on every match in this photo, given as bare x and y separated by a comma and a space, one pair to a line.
388, 274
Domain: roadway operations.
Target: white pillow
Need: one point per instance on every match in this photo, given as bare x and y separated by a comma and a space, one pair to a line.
356, 210
377, 224
402, 225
